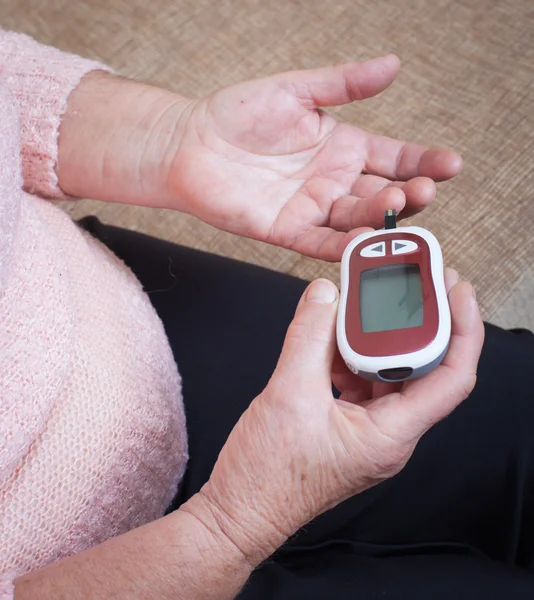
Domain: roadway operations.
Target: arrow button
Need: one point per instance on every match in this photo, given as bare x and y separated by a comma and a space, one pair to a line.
377, 249
404, 246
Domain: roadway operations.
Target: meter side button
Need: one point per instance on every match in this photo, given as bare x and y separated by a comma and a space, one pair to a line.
378, 249
403, 246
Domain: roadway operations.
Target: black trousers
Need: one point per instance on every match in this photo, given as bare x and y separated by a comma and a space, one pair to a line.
456, 523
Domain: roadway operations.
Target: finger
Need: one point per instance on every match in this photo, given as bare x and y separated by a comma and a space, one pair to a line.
338, 364
425, 401
467, 334
325, 243
350, 212
308, 351
401, 161
341, 84
383, 388
368, 185
419, 191
451, 278
359, 395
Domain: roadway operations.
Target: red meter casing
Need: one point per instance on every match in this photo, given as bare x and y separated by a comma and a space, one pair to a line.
398, 341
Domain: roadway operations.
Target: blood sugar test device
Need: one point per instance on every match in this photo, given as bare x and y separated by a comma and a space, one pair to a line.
393, 321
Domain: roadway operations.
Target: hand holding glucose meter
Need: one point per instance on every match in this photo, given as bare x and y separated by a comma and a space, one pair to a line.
394, 321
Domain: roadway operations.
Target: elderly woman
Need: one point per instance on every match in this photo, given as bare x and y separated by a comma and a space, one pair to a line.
93, 432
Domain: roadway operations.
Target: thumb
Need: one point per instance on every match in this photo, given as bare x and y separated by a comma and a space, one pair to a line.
308, 351
341, 84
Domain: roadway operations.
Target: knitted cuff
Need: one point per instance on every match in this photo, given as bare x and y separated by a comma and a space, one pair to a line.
7, 591
40, 79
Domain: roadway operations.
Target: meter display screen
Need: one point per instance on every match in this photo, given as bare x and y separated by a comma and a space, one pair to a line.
391, 297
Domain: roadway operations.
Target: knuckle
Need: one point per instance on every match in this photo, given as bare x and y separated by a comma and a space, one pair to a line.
388, 457
308, 330
467, 384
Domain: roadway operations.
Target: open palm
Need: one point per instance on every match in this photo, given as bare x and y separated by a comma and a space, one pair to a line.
261, 159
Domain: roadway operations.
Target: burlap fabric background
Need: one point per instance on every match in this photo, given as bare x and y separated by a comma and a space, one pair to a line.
467, 82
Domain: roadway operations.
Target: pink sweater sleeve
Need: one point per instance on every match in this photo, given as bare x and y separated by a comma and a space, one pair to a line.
6, 586
40, 79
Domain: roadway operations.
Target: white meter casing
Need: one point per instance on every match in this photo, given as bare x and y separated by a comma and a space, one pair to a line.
394, 320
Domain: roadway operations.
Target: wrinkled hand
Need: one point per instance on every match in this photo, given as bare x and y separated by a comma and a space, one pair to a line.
297, 451
261, 159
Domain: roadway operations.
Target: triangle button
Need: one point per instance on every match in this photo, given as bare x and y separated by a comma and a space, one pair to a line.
403, 246
377, 249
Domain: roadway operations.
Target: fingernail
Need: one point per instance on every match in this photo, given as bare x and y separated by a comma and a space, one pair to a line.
455, 277
321, 292
474, 292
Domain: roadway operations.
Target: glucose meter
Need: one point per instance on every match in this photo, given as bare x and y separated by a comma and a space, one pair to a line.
394, 321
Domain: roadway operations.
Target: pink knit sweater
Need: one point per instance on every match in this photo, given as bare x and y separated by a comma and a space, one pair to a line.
92, 429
